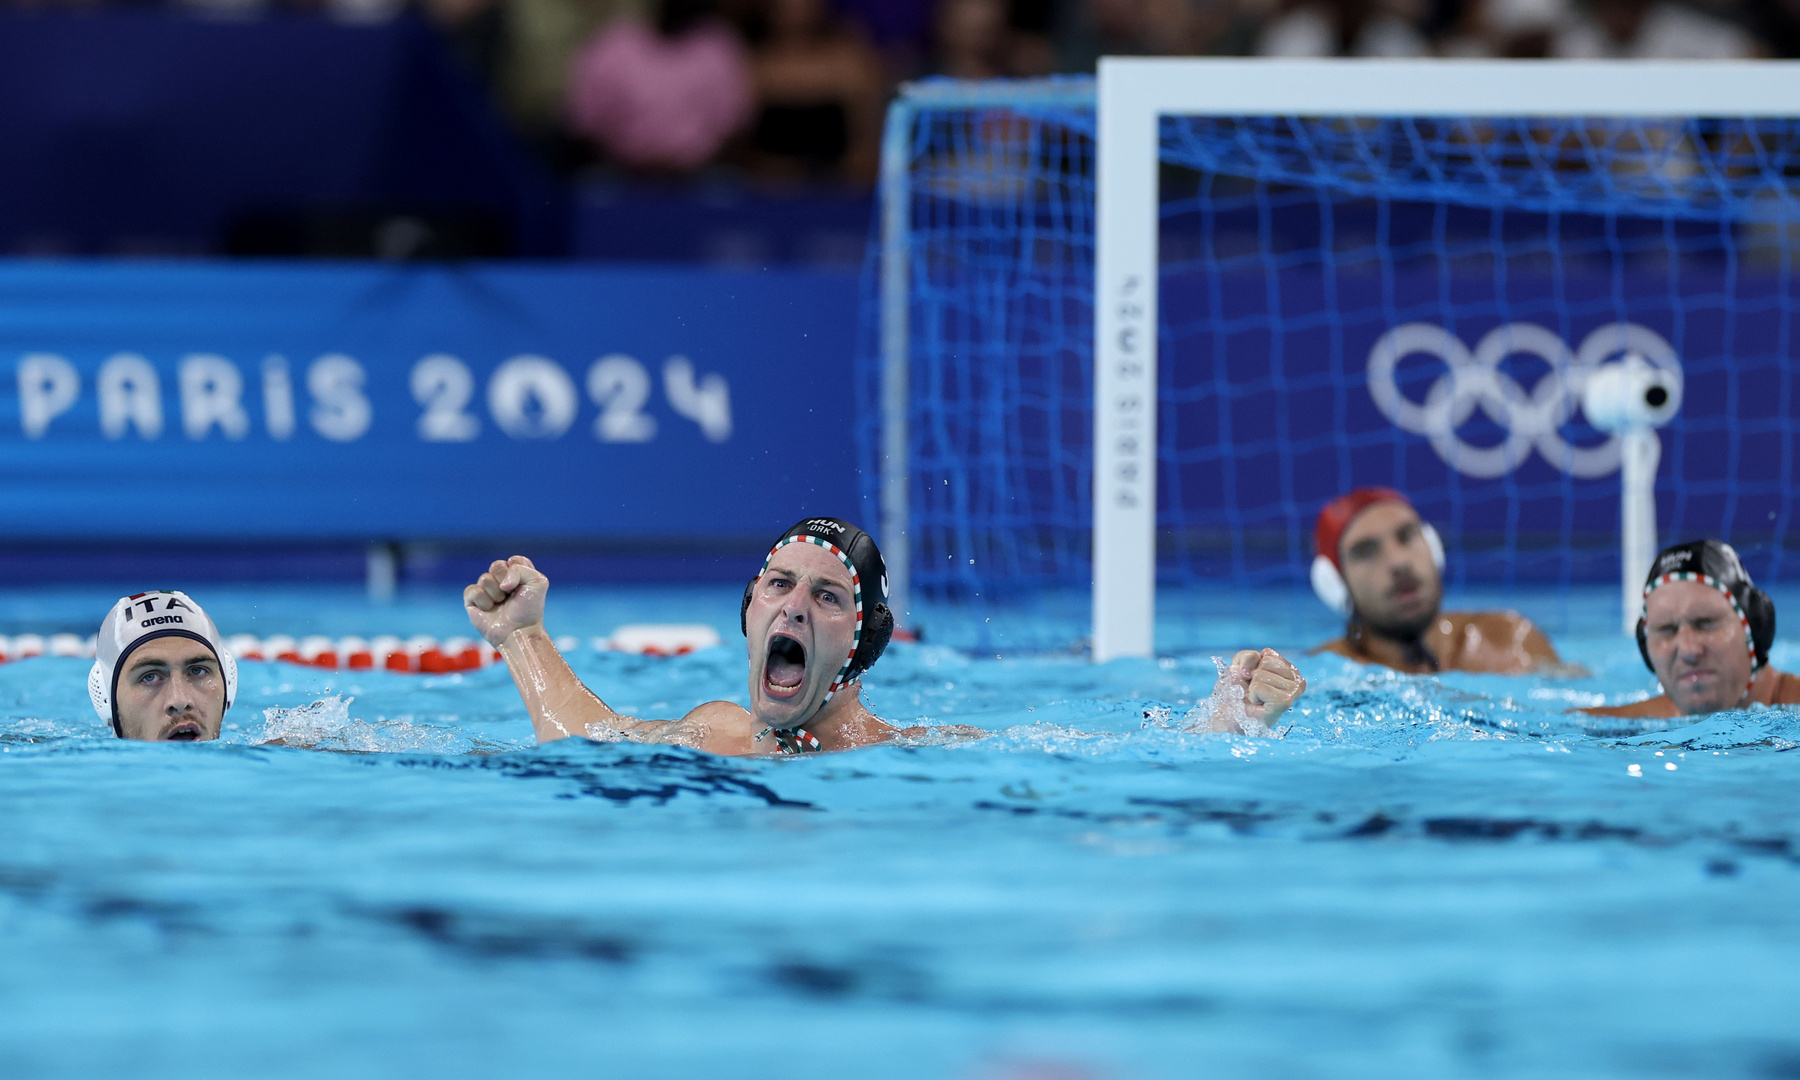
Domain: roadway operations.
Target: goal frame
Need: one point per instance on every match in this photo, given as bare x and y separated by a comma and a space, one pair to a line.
1134, 94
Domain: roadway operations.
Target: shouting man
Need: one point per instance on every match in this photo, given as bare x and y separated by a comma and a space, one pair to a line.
815, 618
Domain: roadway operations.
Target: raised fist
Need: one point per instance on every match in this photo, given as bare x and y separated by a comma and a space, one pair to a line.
506, 599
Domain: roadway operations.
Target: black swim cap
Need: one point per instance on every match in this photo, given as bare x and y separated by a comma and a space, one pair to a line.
1713, 562
868, 576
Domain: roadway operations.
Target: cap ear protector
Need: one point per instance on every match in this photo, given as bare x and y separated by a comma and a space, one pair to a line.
1328, 581
1714, 563
141, 618
868, 577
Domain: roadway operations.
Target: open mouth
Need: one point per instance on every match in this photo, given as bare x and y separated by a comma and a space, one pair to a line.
186, 731
785, 668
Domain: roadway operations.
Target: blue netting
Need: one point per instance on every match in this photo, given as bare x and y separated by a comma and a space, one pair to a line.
1001, 323
1293, 251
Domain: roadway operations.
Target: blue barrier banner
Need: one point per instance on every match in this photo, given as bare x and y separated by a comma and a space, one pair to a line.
212, 401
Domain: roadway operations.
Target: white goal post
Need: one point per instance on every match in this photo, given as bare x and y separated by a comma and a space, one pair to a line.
1135, 93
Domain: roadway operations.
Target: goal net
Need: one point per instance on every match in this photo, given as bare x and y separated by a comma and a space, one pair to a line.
1315, 276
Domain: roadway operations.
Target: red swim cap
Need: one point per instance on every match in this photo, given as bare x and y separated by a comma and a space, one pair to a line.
1341, 511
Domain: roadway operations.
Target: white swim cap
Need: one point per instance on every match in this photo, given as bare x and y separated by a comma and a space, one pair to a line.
146, 617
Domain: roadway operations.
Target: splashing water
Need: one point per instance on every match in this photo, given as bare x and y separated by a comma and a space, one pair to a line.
1223, 710
326, 724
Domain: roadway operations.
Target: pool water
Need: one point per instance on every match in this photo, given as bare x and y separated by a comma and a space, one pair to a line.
1430, 877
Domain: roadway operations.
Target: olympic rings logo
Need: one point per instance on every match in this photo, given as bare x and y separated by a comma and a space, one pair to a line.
1531, 419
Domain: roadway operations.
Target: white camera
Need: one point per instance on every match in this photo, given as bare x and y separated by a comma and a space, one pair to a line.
1631, 394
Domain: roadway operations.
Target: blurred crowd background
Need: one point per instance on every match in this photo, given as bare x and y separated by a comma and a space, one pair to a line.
647, 116
793, 90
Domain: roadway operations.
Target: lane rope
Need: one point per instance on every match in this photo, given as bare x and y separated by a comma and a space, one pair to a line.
421, 654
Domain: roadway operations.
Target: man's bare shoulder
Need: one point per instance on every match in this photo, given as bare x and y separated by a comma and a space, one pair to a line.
718, 727
1503, 642
1505, 619
1787, 688
1659, 707
1335, 645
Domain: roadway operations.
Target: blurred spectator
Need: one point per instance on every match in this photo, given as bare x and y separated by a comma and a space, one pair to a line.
973, 39
1090, 29
665, 95
976, 39
540, 40
1650, 30
1518, 29
819, 91
1385, 28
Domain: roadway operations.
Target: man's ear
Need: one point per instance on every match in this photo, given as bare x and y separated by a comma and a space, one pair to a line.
744, 609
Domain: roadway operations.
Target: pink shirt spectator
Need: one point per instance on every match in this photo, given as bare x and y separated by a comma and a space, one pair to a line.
656, 101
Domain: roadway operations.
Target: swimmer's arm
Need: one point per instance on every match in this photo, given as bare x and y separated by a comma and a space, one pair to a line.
507, 605
560, 704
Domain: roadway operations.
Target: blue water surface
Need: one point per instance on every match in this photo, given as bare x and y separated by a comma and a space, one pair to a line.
1430, 877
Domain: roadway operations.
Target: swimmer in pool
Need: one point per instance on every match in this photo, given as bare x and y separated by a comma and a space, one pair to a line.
815, 618
1382, 567
1705, 631
161, 672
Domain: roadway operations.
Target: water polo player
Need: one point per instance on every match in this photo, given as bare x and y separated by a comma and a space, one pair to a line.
161, 672
1705, 631
1382, 567
815, 618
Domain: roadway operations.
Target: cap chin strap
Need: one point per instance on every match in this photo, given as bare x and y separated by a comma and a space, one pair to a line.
794, 740
841, 680
1328, 581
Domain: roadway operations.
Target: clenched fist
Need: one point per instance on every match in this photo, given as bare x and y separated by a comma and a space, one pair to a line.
508, 598
1270, 683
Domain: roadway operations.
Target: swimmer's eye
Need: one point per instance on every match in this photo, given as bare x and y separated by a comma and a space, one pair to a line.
149, 676
827, 596
1364, 549
1406, 534
199, 671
